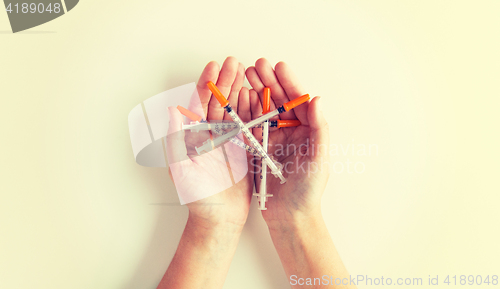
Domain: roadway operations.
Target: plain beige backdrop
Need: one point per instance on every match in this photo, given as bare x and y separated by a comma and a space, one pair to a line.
418, 79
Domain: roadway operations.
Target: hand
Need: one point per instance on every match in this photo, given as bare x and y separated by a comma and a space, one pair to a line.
303, 150
195, 174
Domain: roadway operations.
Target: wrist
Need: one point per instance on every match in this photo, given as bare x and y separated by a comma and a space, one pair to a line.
297, 223
298, 242
210, 226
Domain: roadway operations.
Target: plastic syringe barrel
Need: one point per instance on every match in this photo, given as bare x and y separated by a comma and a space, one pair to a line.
224, 103
285, 107
213, 124
210, 144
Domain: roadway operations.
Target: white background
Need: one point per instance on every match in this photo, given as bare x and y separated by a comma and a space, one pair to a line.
417, 78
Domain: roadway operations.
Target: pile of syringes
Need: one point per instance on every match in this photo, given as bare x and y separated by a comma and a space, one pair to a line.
220, 129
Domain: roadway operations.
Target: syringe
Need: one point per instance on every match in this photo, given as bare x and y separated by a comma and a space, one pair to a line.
219, 126
222, 127
285, 107
251, 150
255, 143
262, 195
209, 145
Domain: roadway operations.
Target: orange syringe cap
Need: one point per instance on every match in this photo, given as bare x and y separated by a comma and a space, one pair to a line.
216, 92
288, 123
296, 102
191, 115
266, 100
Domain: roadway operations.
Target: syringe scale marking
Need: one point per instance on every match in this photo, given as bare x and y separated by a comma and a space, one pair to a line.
265, 157
285, 107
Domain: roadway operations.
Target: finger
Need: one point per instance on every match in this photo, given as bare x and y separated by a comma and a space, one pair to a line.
319, 135
176, 147
225, 81
255, 81
244, 105
235, 90
210, 73
292, 87
268, 77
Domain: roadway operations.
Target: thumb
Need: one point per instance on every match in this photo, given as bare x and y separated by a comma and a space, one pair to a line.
320, 134
176, 146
